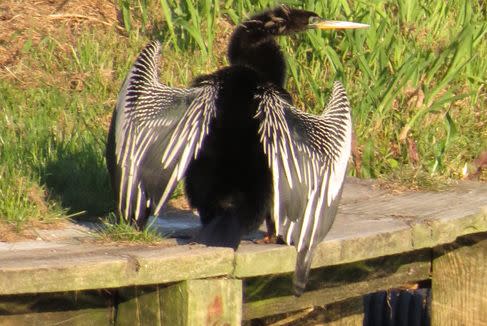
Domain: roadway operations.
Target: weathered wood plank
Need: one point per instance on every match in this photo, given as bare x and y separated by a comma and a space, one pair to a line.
254, 260
79, 317
333, 284
459, 283
371, 223
71, 308
378, 224
345, 313
110, 268
202, 302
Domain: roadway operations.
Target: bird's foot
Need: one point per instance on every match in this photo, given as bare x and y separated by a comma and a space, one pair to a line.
268, 239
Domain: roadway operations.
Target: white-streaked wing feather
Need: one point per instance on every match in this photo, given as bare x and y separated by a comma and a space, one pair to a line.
308, 157
152, 127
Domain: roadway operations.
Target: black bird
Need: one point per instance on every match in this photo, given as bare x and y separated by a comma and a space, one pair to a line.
245, 151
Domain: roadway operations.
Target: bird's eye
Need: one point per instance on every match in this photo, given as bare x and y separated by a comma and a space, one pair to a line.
313, 20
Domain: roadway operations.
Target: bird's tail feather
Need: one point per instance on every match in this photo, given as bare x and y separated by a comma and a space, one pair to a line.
301, 273
222, 231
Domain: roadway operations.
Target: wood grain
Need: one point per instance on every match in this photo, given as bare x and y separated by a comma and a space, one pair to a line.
459, 283
202, 302
371, 223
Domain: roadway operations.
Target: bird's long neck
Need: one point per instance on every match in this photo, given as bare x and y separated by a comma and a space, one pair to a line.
256, 48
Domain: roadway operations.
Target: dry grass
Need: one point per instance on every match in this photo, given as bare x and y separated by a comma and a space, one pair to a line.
10, 233
25, 24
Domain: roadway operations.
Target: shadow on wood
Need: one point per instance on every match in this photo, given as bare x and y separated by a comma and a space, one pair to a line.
69, 308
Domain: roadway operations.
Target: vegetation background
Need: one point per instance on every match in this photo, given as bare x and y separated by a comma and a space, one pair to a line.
416, 80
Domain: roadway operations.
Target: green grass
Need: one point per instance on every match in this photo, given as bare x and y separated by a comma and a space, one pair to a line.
416, 80
115, 229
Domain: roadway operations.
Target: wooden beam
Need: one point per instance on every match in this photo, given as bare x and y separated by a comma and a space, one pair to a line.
65, 308
373, 230
339, 283
345, 313
370, 224
459, 283
73, 269
202, 302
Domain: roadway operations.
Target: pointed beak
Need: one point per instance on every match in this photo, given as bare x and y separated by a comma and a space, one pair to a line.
334, 24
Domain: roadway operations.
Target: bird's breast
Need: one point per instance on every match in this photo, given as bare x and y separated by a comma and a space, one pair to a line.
233, 134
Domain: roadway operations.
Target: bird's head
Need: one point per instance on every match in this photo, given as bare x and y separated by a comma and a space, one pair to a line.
284, 20
253, 42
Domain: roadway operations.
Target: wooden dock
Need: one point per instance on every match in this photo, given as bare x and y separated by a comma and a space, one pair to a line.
381, 239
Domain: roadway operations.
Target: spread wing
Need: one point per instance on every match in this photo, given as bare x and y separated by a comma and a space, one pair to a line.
308, 157
155, 132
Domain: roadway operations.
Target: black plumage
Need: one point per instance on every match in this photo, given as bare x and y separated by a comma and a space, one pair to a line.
245, 151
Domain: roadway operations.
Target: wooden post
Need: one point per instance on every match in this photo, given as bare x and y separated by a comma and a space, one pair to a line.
459, 288
202, 302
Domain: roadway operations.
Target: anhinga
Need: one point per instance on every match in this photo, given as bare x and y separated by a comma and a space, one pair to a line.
245, 151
